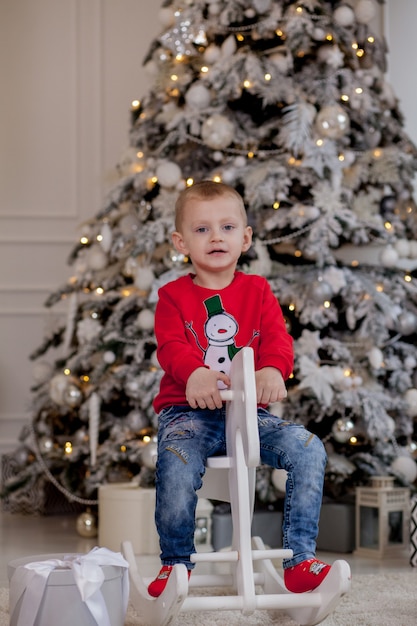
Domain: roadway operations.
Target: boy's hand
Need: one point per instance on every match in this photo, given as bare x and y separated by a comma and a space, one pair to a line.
270, 386
202, 390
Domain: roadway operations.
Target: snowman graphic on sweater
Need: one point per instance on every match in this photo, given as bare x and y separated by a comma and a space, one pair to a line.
220, 330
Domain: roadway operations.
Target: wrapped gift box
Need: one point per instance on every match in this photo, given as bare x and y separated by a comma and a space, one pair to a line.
86, 590
126, 512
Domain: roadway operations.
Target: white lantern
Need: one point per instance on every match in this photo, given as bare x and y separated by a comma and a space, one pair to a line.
382, 518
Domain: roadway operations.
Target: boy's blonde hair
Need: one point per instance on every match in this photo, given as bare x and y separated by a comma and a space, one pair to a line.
205, 190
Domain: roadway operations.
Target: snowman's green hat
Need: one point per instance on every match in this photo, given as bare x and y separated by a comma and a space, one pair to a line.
214, 306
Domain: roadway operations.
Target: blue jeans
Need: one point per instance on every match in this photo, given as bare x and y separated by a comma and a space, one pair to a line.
186, 437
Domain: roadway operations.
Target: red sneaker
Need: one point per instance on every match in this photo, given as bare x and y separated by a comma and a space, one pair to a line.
305, 576
158, 585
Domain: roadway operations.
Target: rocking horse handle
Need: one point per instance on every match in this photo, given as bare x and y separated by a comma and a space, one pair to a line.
243, 408
227, 395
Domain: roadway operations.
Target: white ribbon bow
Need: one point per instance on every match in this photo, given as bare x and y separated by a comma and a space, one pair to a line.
31, 579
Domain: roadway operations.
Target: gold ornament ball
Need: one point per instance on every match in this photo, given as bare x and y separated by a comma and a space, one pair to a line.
86, 525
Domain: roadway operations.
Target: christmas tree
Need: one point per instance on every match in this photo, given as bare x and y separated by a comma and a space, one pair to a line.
288, 102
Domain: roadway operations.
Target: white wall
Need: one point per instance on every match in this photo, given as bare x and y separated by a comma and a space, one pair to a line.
69, 71
400, 21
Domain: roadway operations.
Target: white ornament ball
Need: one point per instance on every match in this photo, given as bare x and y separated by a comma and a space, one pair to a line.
57, 387
169, 174
144, 278
240, 161
279, 479
375, 358
72, 396
97, 258
217, 131
332, 121
365, 11
411, 400
410, 362
212, 54
405, 466
389, 256
402, 247
145, 319
214, 8
344, 15
42, 371
198, 96
319, 34
109, 357
229, 176
88, 330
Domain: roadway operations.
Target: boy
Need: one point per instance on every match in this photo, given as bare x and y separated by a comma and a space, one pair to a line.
201, 321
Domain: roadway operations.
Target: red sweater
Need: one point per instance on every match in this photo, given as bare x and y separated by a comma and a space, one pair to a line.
199, 327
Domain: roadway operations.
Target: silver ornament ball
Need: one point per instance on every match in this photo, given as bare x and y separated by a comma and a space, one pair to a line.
86, 525
407, 323
149, 454
320, 291
342, 429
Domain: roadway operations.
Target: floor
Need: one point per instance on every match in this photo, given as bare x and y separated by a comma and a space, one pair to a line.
22, 536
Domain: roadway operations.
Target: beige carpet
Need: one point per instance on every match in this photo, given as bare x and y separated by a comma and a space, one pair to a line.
375, 600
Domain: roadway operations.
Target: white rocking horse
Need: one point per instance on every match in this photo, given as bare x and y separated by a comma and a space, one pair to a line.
254, 581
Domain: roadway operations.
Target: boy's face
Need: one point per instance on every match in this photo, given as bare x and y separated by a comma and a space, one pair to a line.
213, 233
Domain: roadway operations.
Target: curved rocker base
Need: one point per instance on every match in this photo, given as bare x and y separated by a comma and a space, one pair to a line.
306, 609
